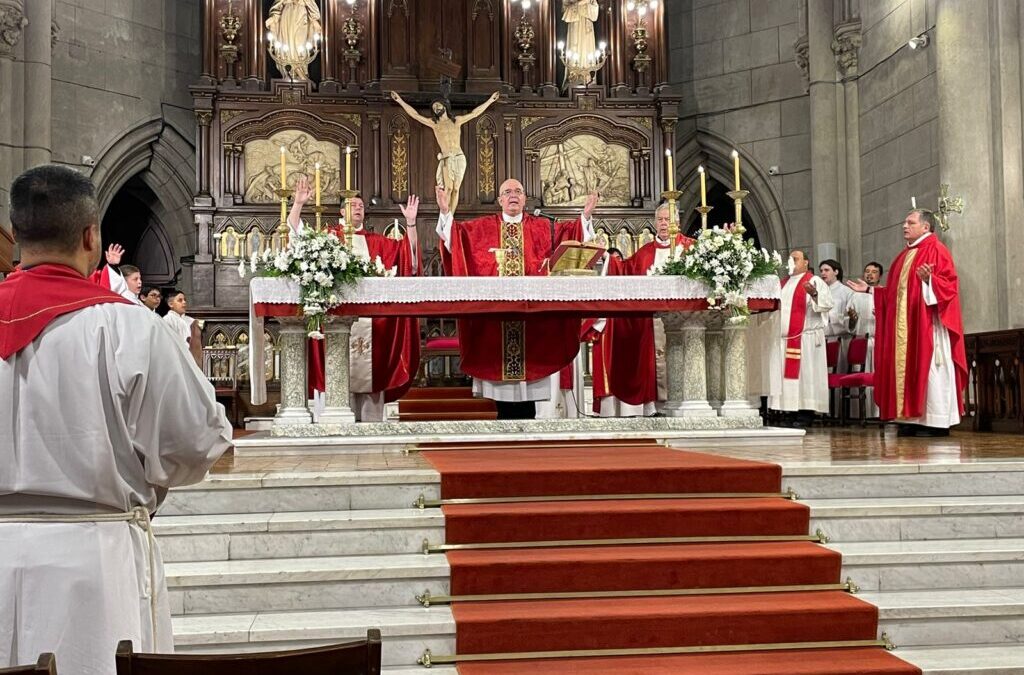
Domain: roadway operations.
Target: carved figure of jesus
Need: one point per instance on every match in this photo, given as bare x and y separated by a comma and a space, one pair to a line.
451, 162
295, 23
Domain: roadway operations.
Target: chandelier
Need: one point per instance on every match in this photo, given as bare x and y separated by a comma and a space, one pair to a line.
581, 69
293, 60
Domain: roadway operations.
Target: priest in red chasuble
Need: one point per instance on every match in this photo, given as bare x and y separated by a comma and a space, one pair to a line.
511, 359
384, 352
633, 349
920, 361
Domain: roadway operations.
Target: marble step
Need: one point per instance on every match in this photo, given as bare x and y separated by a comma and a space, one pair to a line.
963, 660
406, 632
303, 491
967, 616
304, 583
249, 536
813, 480
938, 564
918, 518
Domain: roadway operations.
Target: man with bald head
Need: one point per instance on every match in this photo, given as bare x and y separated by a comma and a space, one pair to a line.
633, 349
512, 360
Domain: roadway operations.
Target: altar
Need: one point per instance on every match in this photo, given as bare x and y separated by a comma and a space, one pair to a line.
706, 352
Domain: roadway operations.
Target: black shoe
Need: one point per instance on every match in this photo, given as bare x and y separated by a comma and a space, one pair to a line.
906, 429
931, 432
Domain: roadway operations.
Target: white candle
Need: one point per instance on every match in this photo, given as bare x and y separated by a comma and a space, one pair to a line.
736, 167
703, 186
913, 202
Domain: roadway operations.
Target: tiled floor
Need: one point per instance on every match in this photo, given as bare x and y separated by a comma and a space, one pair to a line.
833, 446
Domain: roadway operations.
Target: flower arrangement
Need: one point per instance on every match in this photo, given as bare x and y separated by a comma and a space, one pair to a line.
319, 263
725, 262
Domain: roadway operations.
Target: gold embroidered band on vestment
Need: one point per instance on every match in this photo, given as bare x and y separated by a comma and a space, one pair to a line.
902, 328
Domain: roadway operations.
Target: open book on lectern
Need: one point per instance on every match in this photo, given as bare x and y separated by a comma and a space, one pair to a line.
573, 257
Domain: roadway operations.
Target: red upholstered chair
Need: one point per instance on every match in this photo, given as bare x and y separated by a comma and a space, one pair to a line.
856, 379
832, 360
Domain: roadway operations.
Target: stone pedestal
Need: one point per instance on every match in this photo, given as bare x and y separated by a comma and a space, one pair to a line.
713, 349
338, 330
686, 366
294, 409
734, 359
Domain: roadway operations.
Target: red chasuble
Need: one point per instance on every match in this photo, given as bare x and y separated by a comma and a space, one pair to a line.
514, 348
396, 341
30, 299
628, 343
904, 341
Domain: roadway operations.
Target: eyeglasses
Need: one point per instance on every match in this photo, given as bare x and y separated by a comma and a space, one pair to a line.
509, 193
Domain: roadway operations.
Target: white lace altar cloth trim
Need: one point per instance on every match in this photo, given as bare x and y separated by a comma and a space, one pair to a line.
409, 290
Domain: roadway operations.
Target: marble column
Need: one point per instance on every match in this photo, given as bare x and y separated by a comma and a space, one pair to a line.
38, 85
972, 74
337, 331
847, 50
734, 357
827, 220
294, 409
12, 21
685, 365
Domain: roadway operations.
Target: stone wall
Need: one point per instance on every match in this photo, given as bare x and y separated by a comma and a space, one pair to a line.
733, 63
898, 122
117, 63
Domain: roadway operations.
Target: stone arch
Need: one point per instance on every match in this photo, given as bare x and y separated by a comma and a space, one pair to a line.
161, 157
763, 203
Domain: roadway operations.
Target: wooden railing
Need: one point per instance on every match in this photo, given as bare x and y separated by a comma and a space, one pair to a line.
6, 250
995, 387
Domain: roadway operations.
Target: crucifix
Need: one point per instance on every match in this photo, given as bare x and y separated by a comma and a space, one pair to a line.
948, 205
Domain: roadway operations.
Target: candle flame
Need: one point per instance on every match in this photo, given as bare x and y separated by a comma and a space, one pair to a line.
700, 169
668, 153
735, 154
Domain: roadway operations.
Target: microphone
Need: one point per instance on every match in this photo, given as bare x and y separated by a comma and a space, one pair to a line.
538, 213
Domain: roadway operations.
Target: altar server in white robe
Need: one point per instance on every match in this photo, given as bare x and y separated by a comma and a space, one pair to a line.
104, 410
799, 370
838, 327
861, 313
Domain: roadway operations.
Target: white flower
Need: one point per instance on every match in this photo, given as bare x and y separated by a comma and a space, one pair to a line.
241, 268
316, 335
254, 261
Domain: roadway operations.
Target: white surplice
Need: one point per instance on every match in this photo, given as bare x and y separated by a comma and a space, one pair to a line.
543, 389
103, 412
810, 391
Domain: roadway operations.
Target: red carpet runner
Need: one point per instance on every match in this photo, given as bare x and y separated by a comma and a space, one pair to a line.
530, 625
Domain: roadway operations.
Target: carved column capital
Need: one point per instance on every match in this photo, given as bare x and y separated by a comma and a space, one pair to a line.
12, 21
846, 47
204, 117
801, 50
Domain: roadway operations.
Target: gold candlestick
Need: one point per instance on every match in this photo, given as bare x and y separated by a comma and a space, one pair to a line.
704, 211
350, 230
672, 197
737, 198
283, 194
319, 210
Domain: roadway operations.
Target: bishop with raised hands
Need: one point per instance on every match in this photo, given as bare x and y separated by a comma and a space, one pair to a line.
512, 359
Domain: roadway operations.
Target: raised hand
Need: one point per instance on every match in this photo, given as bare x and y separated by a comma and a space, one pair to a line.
442, 199
859, 285
411, 208
114, 254
924, 272
592, 199
395, 96
302, 190
495, 96
811, 290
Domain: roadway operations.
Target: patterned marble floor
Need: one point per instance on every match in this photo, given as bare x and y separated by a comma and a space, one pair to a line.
820, 446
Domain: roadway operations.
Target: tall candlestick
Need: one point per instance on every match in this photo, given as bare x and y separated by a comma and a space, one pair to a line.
703, 186
736, 167
348, 167
317, 181
284, 176
670, 170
